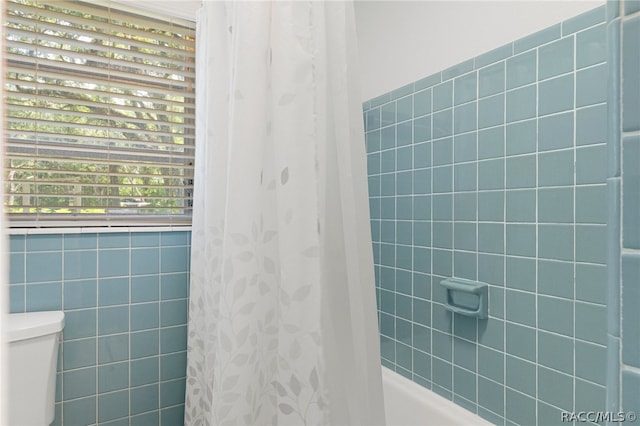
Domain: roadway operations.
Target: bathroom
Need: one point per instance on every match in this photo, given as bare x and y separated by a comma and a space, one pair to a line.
494, 134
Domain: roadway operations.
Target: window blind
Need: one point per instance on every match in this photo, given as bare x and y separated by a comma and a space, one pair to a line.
100, 114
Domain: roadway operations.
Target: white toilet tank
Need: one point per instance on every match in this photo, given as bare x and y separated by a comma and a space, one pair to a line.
33, 358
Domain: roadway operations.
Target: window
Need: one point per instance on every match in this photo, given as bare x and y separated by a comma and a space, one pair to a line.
100, 114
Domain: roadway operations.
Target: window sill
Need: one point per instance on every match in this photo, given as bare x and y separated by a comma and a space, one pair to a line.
96, 229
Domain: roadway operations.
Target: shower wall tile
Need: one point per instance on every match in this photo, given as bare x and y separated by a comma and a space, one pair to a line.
510, 189
630, 71
125, 301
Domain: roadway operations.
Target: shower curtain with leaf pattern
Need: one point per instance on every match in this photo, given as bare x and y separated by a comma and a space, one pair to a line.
282, 321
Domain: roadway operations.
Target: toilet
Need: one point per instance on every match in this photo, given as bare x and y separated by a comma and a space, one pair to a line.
33, 358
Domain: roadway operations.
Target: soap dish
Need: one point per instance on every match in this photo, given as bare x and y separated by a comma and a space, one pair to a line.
467, 297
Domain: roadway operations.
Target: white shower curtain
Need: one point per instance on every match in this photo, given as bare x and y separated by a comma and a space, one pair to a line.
282, 321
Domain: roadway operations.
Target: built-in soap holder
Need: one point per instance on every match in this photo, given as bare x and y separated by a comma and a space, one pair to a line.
466, 297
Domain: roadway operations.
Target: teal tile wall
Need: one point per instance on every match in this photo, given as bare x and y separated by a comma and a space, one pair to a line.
624, 211
502, 180
122, 356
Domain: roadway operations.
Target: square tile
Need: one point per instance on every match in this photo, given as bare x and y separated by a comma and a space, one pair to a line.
80, 294
555, 388
422, 155
43, 266
591, 243
465, 88
144, 371
556, 278
591, 283
113, 405
80, 411
144, 316
173, 339
113, 348
521, 172
491, 80
521, 376
404, 133
491, 237
388, 137
465, 206
591, 85
113, 263
491, 205
555, 132
388, 113
44, 297
556, 351
491, 111
145, 261
443, 96
491, 333
491, 271
79, 324
555, 58
521, 69
113, 377
555, 315
591, 322
491, 364
521, 103
591, 362
113, 291
465, 177
173, 312
591, 125
521, 307
422, 129
113, 320
521, 273
443, 123
521, 240
144, 343
145, 288
79, 353
464, 147
556, 95
591, 46
591, 204
174, 259
555, 168
521, 137
422, 102
555, 205
404, 108
79, 383
491, 143
491, 174
590, 169
521, 205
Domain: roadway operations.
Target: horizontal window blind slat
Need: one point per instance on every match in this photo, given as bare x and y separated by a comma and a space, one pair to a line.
19, 100
100, 110
102, 57
105, 19
46, 31
114, 127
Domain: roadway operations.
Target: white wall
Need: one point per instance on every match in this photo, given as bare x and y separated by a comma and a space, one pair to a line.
403, 41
